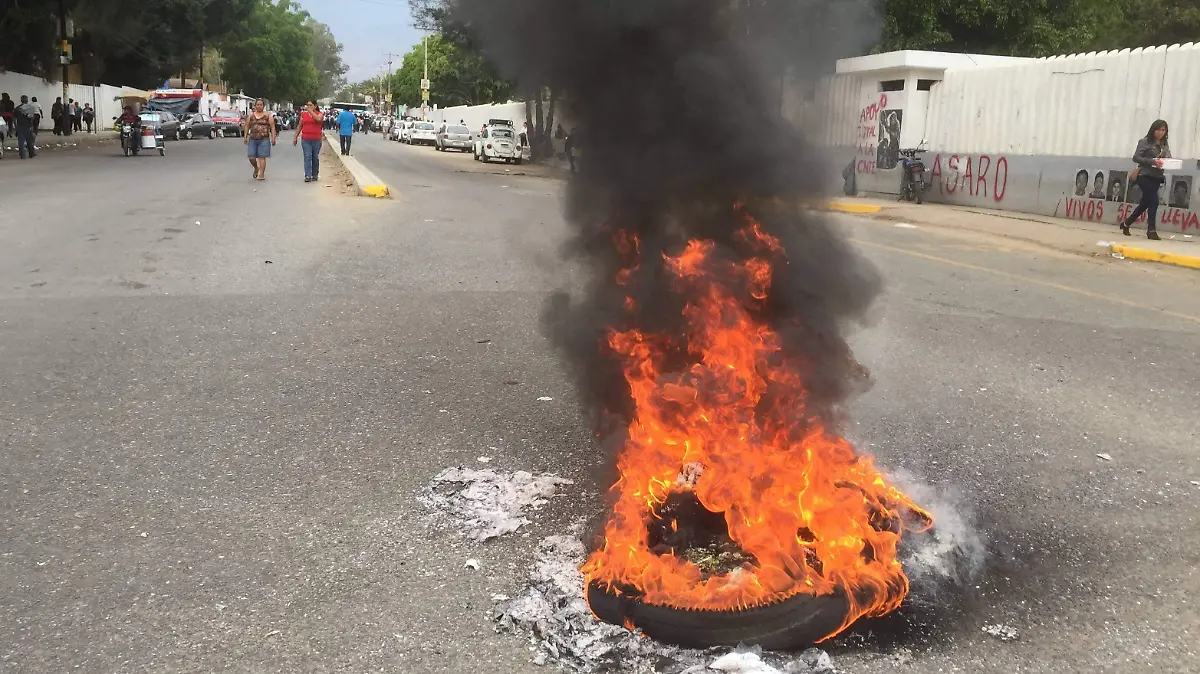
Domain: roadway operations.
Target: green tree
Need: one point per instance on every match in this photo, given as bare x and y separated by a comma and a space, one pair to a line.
271, 54
457, 76
327, 58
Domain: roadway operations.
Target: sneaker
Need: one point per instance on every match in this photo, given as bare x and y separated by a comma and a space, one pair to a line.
308, 179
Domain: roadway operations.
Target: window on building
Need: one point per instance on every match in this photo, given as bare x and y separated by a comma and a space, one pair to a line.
891, 85
925, 85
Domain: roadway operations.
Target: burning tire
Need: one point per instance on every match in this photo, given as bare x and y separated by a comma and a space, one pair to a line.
791, 624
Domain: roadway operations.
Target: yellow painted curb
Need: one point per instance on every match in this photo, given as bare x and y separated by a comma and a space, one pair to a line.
843, 207
1131, 253
378, 191
848, 207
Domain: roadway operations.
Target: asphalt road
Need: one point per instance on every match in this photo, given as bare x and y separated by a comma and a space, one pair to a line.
210, 462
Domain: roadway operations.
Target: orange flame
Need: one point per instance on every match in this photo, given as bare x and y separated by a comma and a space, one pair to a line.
732, 430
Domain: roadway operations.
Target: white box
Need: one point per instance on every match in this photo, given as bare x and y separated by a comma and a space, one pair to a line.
1172, 164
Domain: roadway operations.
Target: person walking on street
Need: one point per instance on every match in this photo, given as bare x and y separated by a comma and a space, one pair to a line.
56, 115
260, 134
25, 117
38, 114
308, 131
8, 109
346, 121
89, 116
572, 142
1149, 176
77, 117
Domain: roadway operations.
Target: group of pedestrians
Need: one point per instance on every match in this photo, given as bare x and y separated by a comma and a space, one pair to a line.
23, 121
261, 133
70, 116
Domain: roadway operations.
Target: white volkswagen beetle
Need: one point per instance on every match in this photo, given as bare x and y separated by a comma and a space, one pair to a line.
498, 141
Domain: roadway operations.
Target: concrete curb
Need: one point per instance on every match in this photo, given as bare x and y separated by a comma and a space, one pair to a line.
366, 183
1145, 255
848, 207
47, 141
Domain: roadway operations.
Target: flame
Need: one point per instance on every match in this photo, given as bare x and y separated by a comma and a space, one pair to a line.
732, 431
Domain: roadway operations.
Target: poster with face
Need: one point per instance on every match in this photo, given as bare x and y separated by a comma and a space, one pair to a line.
1081, 182
890, 123
1181, 191
1134, 194
1097, 186
1116, 186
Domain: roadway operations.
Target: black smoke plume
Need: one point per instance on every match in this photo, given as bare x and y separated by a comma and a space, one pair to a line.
675, 106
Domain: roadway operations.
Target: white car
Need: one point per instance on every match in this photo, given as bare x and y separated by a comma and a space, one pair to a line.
405, 131
498, 141
422, 133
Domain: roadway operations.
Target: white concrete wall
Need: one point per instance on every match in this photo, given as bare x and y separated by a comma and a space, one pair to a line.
101, 97
477, 115
1095, 104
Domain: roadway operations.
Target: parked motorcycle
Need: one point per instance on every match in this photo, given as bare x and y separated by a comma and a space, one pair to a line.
913, 184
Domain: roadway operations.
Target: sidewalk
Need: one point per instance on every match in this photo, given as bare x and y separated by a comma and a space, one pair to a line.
1071, 236
46, 140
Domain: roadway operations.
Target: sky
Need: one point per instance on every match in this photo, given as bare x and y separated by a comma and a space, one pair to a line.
368, 30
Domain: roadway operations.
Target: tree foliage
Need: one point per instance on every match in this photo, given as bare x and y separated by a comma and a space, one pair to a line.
271, 54
327, 57
143, 42
457, 76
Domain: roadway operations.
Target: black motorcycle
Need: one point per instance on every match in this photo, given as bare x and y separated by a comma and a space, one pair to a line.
131, 138
913, 184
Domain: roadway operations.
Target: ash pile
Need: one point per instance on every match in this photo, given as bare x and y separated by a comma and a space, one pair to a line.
553, 614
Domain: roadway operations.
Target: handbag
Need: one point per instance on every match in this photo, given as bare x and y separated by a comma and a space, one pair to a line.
1133, 175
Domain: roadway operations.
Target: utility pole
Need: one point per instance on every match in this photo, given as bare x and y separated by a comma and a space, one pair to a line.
425, 80
65, 57
391, 106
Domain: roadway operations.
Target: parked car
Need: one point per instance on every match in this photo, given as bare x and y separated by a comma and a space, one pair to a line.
453, 136
166, 123
227, 122
422, 133
498, 141
405, 132
196, 125
395, 129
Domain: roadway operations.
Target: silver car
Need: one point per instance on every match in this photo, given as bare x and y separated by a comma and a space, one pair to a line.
453, 137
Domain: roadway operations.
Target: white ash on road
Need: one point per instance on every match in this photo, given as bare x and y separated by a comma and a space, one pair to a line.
551, 611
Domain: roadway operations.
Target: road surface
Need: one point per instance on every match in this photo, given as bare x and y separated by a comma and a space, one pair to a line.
222, 398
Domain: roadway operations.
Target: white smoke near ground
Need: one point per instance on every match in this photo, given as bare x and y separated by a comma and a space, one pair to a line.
953, 553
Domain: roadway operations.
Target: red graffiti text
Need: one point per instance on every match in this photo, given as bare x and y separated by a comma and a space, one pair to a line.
975, 176
1178, 217
867, 134
1091, 210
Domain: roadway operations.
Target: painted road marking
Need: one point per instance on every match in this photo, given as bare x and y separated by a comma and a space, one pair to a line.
1026, 279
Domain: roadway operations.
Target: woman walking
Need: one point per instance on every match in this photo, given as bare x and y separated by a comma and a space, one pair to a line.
1148, 176
308, 132
260, 134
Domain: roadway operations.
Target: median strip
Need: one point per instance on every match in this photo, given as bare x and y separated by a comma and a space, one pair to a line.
366, 183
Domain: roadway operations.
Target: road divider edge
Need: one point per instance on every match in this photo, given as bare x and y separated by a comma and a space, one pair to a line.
366, 183
1146, 255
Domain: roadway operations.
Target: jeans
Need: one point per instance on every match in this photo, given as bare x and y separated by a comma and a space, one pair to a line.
25, 142
1149, 203
258, 147
346, 143
312, 157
